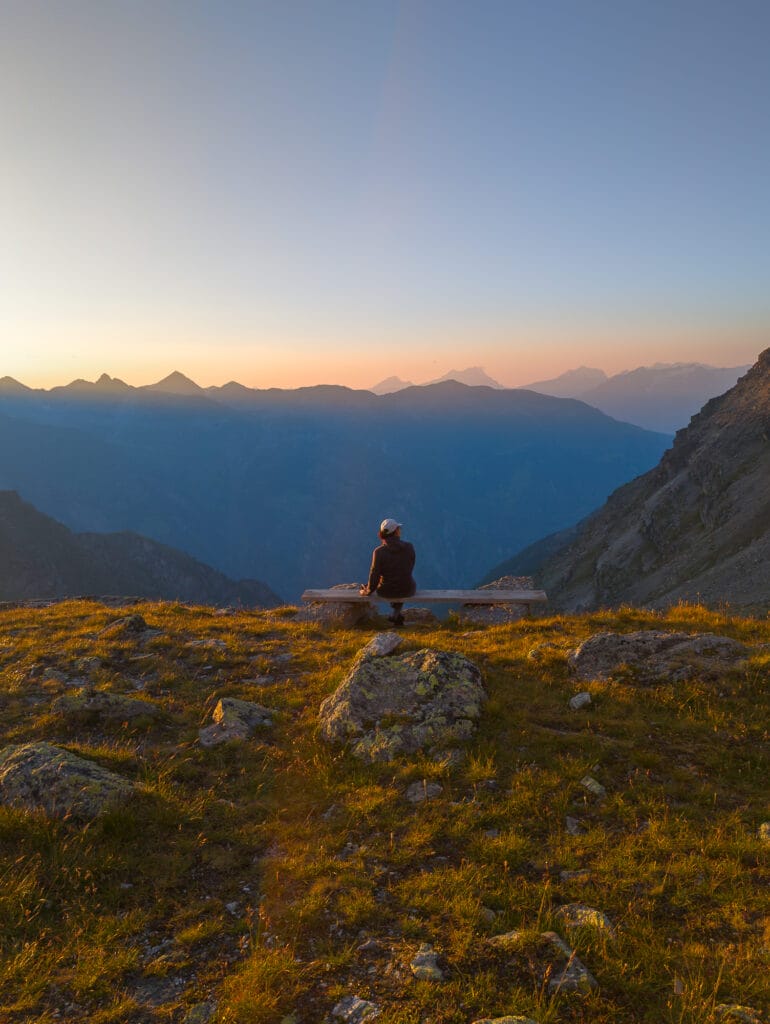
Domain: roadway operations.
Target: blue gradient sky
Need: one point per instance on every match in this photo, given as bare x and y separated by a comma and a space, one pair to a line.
287, 193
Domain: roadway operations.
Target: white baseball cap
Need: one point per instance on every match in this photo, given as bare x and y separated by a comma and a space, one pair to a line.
389, 526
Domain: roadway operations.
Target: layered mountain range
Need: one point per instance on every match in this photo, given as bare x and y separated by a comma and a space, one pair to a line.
290, 486
41, 558
694, 528
660, 397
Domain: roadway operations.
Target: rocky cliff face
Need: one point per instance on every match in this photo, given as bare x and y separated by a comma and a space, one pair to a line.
695, 528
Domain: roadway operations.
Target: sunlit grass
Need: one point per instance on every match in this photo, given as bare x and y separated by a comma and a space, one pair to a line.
251, 873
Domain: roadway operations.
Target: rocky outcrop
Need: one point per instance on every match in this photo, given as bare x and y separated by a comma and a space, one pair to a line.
401, 704
650, 656
39, 776
695, 528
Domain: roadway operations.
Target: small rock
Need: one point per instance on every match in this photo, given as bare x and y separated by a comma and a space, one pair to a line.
381, 645
581, 876
506, 1020
573, 976
425, 964
593, 786
419, 792
540, 651
491, 833
353, 1009
576, 915
505, 940
573, 826
128, 625
232, 908
370, 946
580, 700
200, 1013
731, 1012
234, 720
488, 915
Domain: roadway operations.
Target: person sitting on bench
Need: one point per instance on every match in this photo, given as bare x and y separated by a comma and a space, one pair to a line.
391, 572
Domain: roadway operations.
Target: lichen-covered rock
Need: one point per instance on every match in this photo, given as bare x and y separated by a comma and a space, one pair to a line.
39, 776
419, 792
557, 961
234, 720
506, 1020
128, 625
734, 1013
354, 1010
594, 787
577, 915
652, 655
424, 964
582, 876
106, 707
398, 705
200, 1013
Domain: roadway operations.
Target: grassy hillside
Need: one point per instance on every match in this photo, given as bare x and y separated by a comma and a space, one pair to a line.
247, 876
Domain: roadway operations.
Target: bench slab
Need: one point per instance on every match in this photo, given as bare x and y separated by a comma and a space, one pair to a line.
434, 596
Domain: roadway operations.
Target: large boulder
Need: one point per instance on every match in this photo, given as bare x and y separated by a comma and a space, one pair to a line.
39, 776
653, 655
404, 703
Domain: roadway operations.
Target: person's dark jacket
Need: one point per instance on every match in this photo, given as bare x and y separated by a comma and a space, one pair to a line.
391, 572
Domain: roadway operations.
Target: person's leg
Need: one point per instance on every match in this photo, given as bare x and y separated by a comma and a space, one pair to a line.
396, 618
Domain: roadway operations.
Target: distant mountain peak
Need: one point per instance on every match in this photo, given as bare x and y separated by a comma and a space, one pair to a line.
389, 385
473, 376
107, 383
571, 383
9, 385
176, 384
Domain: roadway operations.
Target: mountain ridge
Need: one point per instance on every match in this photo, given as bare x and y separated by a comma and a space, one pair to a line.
696, 527
42, 558
288, 486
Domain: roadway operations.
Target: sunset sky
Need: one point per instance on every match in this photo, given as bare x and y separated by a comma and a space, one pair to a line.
300, 192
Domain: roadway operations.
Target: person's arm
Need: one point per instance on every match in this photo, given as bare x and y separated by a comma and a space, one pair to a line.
374, 575
411, 557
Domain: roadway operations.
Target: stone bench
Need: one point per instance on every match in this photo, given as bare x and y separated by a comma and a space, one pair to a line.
484, 597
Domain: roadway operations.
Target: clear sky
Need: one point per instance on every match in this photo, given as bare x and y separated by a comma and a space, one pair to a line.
339, 190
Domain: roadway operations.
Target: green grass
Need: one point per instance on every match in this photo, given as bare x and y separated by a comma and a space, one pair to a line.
319, 852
